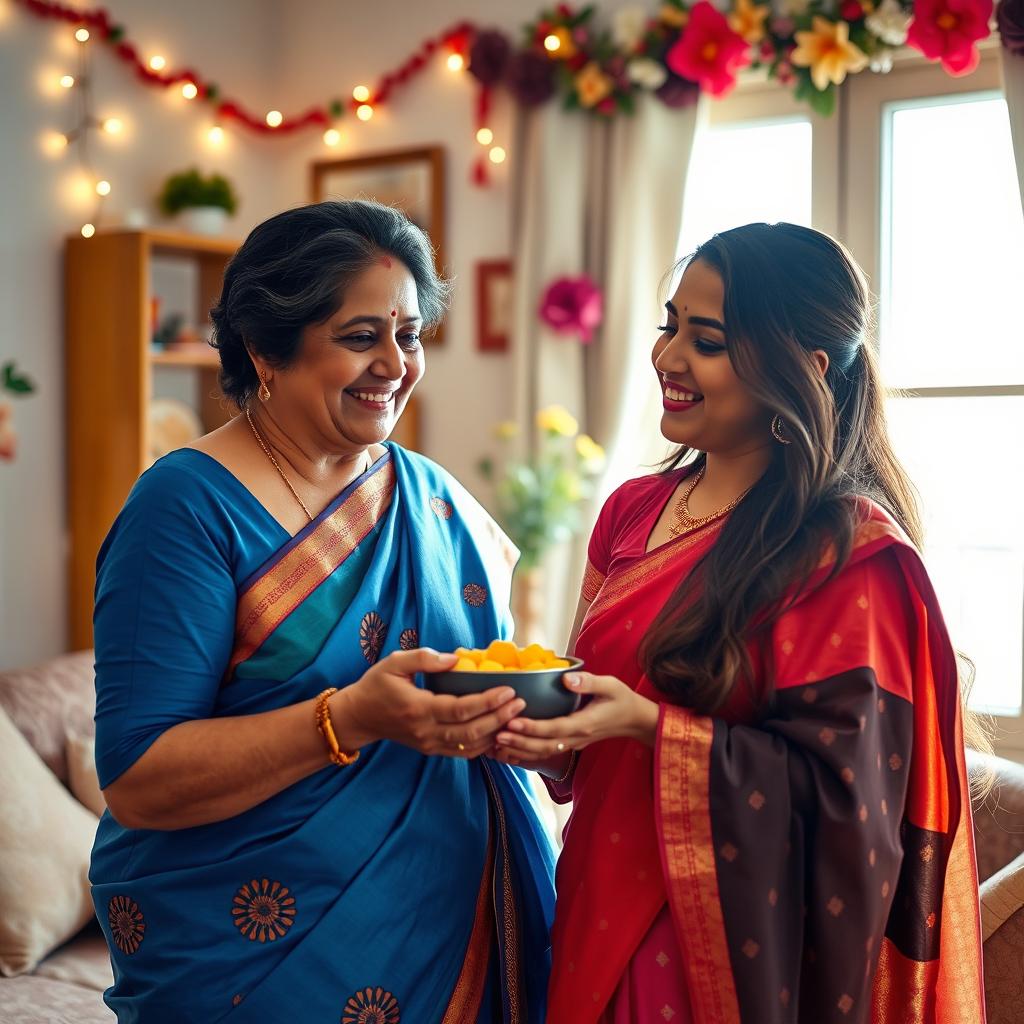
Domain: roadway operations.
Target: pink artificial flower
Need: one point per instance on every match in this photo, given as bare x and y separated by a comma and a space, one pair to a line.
946, 30
573, 305
708, 51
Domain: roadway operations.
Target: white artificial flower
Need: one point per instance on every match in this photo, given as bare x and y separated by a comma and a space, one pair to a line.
889, 22
647, 73
628, 27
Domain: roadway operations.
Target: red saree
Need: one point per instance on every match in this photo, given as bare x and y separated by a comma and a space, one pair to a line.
816, 856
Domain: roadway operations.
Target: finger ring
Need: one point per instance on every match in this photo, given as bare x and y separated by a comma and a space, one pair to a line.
462, 746
560, 747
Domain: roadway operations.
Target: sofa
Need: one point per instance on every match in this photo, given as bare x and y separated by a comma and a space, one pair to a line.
53, 958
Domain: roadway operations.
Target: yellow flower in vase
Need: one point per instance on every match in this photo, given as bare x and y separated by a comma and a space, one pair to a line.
589, 450
557, 420
828, 52
593, 85
747, 20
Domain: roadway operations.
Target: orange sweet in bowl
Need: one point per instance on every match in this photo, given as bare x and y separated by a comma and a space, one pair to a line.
534, 672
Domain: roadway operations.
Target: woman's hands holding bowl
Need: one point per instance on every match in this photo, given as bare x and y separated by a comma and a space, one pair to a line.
385, 704
614, 709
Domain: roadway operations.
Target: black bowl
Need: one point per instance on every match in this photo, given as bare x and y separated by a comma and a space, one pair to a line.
542, 688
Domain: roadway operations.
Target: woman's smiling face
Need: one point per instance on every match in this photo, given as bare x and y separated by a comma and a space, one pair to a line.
355, 371
707, 406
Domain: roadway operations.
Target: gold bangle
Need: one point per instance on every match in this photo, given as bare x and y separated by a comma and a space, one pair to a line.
326, 729
564, 777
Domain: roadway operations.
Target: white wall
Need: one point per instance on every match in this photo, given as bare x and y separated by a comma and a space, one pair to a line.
38, 207
268, 54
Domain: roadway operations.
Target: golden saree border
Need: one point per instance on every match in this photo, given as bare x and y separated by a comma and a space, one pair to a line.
904, 990
682, 778
593, 580
621, 585
469, 989
510, 966
264, 605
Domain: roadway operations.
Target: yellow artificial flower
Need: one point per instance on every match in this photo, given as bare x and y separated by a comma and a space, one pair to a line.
557, 420
567, 48
747, 20
593, 85
506, 430
828, 52
588, 449
673, 16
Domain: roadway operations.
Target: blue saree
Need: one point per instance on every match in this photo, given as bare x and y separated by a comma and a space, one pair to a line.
403, 888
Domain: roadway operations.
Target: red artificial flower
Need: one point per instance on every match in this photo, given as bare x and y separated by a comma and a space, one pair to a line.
946, 30
851, 10
708, 51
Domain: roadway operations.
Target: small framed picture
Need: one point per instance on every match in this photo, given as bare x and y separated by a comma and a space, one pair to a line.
410, 179
493, 305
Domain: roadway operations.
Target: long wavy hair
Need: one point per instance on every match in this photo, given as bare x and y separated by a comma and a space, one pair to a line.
789, 291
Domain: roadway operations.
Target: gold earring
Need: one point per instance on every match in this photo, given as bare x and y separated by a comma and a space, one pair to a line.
777, 431
264, 391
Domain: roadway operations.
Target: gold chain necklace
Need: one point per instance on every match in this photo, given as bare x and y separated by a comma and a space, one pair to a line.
684, 521
270, 455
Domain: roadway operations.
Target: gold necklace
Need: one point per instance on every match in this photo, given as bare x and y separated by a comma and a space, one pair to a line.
684, 521
270, 455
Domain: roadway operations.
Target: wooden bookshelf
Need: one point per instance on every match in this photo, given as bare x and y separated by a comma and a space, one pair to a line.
110, 365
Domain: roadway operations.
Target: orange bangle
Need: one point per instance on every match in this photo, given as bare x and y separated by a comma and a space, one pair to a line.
326, 729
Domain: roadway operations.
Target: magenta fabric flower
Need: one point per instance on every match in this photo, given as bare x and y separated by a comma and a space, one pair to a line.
708, 51
573, 305
947, 31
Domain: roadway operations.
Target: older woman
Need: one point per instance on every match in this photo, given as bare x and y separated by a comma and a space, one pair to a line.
296, 829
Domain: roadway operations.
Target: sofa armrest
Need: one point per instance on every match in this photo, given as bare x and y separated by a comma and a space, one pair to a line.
1002, 896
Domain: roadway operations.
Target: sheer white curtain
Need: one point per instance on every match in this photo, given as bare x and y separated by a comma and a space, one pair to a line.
1013, 84
604, 198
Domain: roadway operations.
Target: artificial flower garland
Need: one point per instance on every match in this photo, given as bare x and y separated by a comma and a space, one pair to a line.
682, 50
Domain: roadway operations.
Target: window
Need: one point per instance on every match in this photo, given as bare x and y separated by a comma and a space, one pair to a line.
916, 175
721, 192
951, 257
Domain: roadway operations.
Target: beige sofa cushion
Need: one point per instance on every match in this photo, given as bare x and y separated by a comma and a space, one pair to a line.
50, 701
82, 779
46, 838
84, 961
31, 1000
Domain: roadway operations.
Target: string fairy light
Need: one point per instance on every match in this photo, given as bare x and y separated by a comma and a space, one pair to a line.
85, 124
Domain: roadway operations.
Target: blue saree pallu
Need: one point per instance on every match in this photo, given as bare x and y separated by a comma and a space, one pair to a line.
401, 888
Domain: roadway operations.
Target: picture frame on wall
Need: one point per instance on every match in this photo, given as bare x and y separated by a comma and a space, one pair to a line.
410, 179
493, 305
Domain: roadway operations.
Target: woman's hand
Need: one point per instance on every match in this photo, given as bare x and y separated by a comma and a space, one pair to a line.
614, 710
387, 705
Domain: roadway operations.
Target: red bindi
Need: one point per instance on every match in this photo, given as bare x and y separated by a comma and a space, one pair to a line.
394, 312
385, 261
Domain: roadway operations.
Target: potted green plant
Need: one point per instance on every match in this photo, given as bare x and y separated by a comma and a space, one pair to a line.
202, 204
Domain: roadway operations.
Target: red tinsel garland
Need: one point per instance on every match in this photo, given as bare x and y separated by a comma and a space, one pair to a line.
454, 39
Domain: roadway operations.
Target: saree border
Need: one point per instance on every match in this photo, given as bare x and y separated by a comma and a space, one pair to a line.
682, 778
508, 939
274, 595
621, 584
469, 990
